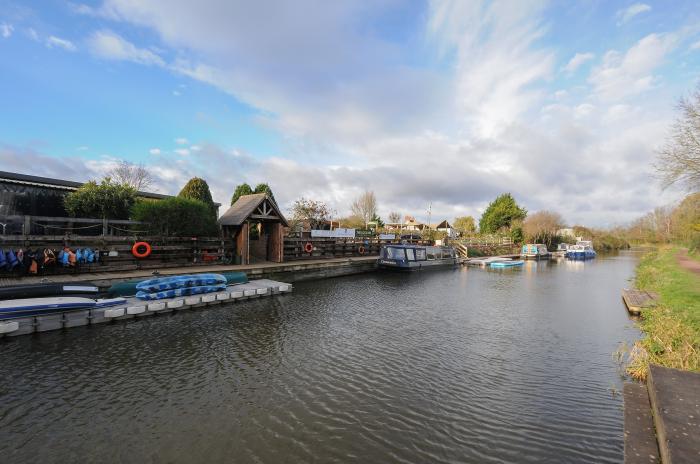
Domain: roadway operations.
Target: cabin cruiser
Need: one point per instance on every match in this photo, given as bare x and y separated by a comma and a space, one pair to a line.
582, 250
534, 251
415, 257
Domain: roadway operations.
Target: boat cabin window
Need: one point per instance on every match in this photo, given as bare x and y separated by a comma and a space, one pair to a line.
420, 254
394, 253
410, 254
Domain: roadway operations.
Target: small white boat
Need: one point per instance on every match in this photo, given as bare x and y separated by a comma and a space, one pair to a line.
534, 251
582, 250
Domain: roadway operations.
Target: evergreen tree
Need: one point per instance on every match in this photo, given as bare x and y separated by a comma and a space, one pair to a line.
243, 189
198, 189
500, 214
264, 188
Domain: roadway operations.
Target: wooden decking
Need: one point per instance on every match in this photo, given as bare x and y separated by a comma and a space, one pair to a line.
637, 300
103, 279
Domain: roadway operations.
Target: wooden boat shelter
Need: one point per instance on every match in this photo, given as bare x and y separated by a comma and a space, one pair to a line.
255, 226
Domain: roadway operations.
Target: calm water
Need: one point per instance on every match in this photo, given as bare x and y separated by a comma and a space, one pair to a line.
466, 365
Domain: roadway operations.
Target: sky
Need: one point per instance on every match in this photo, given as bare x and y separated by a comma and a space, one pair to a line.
427, 103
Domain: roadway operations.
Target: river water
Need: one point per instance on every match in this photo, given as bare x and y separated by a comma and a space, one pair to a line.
464, 365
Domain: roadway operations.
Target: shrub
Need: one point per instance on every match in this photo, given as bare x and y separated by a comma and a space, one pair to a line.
177, 217
104, 200
198, 189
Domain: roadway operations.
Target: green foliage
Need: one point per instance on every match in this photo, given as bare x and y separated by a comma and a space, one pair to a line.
378, 223
243, 189
104, 200
198, 189
672, 329
176, 217
516, 234
264, 188
465, 225
500, 214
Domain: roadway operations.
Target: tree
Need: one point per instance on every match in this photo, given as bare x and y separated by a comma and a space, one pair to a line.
678, 162
135, 176
465, 225
198, 189
394, 217
310, 213
106, 200
242, 189
377, 221
176, 216
500, 214
542, 227
365, 206
351, 222
264, 188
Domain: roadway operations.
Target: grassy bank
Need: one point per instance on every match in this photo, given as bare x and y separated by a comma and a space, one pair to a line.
671, 329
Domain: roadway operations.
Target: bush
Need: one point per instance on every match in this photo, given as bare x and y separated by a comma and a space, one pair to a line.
177, 217
105, 200
198, 189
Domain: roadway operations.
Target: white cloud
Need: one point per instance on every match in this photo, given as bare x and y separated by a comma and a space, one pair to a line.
620, 76
195, 148
32, 34
181, 141
111, 46
182, 151
65, 44
695, 45
630, 12
577, 60
82, 148
6, 30
154, 151
176, 93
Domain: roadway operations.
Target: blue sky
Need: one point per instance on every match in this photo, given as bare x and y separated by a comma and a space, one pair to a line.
446, 102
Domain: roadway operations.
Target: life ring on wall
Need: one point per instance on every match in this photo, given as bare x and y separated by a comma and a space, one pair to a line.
308, 247
141, 250
361, 250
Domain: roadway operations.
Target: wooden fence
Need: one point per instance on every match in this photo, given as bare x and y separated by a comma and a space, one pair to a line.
112, 253
331, 247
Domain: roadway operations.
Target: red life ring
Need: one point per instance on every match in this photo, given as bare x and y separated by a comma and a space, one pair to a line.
308, 247
361, 250
135, 250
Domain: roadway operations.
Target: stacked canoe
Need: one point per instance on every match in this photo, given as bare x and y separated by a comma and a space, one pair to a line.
181, 285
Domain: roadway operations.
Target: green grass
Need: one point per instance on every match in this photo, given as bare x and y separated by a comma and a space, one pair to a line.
672, 328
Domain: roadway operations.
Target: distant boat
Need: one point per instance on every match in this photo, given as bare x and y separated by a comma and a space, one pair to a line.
582, 250
415, 257
534, 251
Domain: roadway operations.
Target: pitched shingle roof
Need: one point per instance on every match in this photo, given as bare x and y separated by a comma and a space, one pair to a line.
245, 206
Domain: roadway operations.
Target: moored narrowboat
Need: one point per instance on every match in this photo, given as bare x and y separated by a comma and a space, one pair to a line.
582, 250
534, 251
415, 257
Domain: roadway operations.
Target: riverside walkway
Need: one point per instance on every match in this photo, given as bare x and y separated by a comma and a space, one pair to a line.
293, 271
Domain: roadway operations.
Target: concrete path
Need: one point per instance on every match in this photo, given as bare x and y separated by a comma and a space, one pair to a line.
686, 262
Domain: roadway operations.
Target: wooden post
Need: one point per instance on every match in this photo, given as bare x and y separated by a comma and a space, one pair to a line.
27, 225
105, 227
276, 251
242, 243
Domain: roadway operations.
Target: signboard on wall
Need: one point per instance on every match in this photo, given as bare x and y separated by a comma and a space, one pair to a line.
337, 233
387, 236
364, 233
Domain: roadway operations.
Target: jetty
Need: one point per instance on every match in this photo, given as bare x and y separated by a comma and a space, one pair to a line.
134, 308
662, 419
637, 300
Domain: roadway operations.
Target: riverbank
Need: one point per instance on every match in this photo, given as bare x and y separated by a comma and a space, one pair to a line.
672, 328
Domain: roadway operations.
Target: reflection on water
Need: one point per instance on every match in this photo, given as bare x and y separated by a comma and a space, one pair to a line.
466, 365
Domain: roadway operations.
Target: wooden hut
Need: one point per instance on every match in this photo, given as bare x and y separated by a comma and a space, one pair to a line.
255, 227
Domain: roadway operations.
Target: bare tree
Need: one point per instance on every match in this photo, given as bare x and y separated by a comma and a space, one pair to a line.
542, 226
365, 206
309, 213
394, 217
678, 162
133, 175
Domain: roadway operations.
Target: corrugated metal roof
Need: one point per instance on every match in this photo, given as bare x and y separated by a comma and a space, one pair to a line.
244, 207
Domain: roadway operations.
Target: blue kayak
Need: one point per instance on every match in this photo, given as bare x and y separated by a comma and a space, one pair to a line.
180, 281
183, 291
501, 264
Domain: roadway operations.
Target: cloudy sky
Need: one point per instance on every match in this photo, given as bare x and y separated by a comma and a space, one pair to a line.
446, 102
